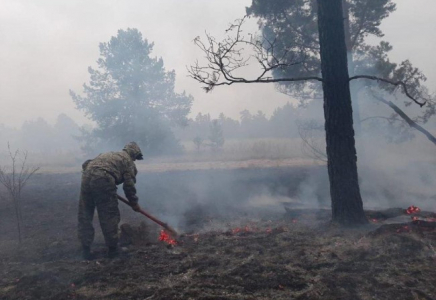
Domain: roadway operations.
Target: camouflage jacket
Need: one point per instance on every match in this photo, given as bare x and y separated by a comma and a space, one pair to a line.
121, 166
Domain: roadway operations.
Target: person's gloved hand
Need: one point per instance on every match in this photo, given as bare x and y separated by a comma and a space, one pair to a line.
136, 207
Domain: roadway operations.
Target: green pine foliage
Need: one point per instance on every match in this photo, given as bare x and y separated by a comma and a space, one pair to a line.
131, 97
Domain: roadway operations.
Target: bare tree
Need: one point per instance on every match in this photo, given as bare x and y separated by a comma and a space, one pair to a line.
226, 58
14, 178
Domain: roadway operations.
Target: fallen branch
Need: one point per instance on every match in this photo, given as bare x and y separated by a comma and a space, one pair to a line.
408, 120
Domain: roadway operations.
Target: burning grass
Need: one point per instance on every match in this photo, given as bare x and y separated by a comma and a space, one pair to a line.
263, 259
166, 237
298, 255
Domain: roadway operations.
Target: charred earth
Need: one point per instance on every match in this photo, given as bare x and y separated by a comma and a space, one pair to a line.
256, 254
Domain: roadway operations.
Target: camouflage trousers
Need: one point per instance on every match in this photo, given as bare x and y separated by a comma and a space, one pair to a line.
98, 190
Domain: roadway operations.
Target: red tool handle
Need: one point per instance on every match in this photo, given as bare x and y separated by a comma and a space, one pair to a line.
164, 225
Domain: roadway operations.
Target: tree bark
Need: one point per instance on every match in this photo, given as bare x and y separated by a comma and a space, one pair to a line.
349, 45
347, 206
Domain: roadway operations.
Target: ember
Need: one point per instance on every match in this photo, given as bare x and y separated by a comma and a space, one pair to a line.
412, 210
403, 229
236, 230
245, 229
196, 237
165, 237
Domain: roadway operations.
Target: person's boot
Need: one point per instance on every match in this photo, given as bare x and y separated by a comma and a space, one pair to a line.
86, 253
113, 252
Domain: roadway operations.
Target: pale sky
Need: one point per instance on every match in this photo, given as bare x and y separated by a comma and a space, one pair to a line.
46, 47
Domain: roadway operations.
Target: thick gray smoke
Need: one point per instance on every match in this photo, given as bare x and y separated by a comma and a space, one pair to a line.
395, 161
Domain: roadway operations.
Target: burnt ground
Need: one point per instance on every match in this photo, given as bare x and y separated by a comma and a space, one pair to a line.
224, 252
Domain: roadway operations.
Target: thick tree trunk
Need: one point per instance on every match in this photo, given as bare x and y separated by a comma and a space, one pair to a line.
353, 87
347, 207
347, 28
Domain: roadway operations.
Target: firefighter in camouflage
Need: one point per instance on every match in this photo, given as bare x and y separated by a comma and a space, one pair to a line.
100, 178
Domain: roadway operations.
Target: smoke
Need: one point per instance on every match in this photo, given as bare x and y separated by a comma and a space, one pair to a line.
314, 192
398, 175
395, 162
46, 143
195, 198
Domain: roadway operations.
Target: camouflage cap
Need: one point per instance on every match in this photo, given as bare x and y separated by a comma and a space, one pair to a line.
133, 150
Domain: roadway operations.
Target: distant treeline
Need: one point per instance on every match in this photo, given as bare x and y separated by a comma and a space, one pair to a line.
281, 124
39, 136
65, 134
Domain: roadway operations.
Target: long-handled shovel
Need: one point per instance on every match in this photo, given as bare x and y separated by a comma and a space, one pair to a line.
154, 219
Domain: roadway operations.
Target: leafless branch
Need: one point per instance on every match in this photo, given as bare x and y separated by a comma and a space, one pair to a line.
14, 178
225, 58
395, 83
381, 117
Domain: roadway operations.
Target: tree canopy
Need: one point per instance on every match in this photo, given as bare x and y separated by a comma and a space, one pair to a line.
292, 25
131, 96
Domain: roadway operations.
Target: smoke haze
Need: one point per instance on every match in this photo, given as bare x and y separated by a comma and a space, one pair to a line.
48, 45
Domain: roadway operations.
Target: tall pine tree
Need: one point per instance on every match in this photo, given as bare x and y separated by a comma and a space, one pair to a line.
131, 97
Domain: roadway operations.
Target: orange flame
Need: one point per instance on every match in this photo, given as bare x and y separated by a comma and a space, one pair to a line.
165, 237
